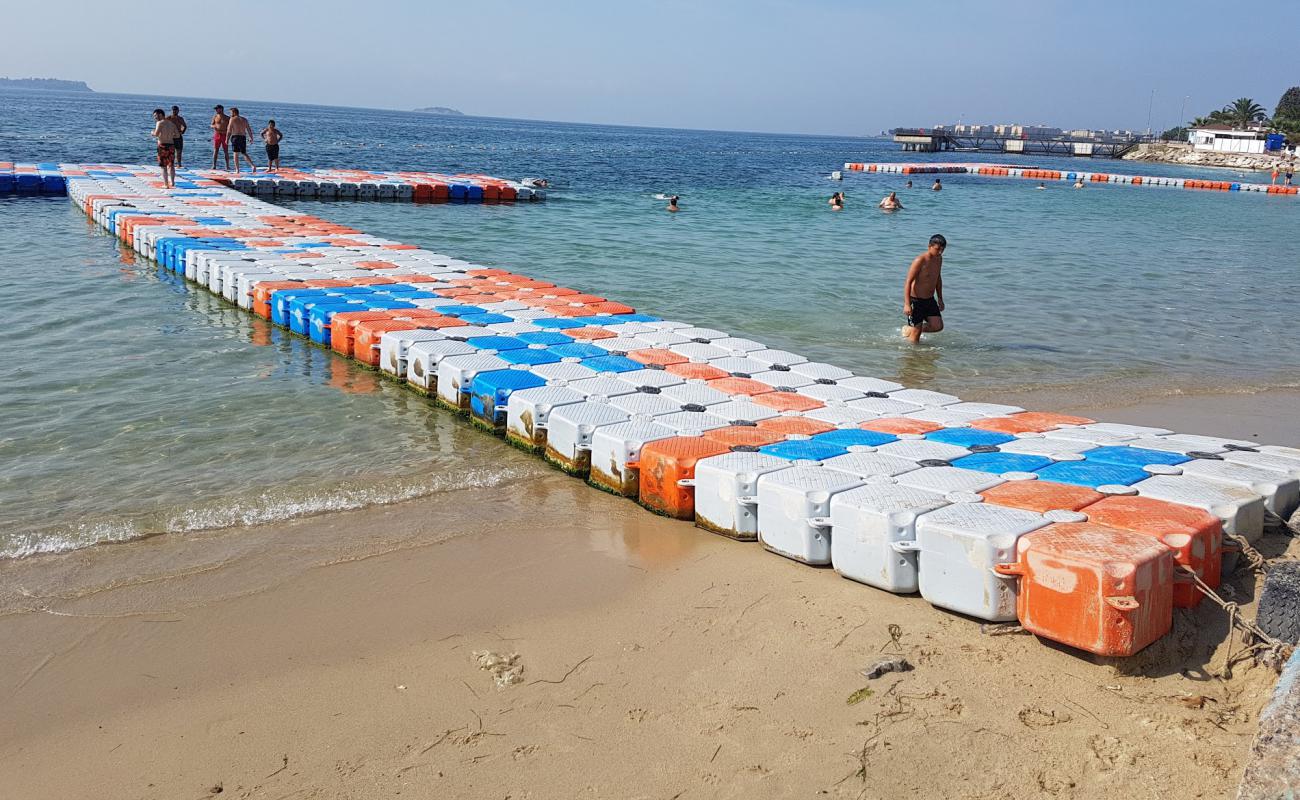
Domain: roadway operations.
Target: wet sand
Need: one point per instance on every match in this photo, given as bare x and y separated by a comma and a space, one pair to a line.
332, 657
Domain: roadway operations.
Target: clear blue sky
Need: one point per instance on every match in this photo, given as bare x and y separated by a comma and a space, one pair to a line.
810, 66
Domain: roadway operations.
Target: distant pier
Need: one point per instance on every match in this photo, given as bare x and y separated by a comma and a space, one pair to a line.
925, 140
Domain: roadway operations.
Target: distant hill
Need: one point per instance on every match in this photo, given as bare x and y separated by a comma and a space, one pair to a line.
443, 110
44, 83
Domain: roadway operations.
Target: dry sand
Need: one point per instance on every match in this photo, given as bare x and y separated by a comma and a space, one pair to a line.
658, 661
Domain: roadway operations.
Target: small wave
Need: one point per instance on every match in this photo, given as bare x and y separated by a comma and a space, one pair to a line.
268, 507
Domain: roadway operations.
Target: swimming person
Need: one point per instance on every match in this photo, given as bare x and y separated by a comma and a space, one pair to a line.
271, 136
891, 203
220, 125
240, 132
672, 204
1078, 182
837, 201
909, 184
938, 185
176, 119
1042, 186
923, 292
165, 134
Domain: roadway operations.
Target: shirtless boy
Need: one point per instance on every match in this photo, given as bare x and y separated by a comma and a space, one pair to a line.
923, 292
239, 134
220, 126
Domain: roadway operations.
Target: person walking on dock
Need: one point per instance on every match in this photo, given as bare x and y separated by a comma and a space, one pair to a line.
271, 137
176, 119
220, 126
239, 133
164, 132
923, 292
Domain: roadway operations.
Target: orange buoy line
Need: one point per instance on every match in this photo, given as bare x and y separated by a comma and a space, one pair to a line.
1033, 173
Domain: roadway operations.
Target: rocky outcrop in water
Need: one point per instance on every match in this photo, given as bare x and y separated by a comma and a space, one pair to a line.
1178, 153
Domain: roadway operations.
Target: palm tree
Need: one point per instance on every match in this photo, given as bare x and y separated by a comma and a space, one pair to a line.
1243, 112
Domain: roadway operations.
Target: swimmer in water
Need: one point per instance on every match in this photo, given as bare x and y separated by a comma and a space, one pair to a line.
837, 201
891, 202
909, 184
672, 204
938, 185
1042, 186
1078, 183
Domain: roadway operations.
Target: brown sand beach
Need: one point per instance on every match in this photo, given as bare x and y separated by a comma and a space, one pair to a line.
653, 660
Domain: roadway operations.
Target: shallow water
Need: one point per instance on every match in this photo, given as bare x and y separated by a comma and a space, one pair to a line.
134, 404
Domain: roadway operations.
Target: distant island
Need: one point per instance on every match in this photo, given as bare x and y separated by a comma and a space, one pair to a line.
443, 110
49, 84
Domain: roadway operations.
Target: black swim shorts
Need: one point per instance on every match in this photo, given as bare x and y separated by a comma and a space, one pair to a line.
272, 152
239, 143
923, 307
178, 143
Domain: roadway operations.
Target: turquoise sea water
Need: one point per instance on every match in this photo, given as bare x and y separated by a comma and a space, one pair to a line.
134, 404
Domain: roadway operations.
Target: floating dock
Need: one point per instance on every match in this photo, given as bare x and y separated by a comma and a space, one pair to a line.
322, 184
1088, 533
1033, 173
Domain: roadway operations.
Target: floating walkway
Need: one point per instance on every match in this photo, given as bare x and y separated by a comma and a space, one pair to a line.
1088, 533
1031, 173
344, 184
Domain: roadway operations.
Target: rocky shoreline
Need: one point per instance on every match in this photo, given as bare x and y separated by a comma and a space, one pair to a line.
1179, 153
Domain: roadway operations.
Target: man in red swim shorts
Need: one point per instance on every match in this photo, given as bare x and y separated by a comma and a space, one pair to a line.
220, 124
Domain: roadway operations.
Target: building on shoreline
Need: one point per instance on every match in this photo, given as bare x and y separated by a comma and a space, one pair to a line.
1226, 139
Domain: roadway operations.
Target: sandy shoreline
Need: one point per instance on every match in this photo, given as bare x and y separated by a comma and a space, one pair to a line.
659, 661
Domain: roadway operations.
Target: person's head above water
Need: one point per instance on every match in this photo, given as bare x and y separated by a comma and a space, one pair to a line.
937, 241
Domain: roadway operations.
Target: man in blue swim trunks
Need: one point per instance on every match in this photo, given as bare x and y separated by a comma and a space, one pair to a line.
923, 292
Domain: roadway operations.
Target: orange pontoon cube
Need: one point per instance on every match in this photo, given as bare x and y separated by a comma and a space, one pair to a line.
668, 473
262, 295
1194, 534
741, 386
367, 333
1028, 422
743, 436
1041, 496
788, 401
588, 333
343, 328
692, 369
656, 356
897, 425
795, 425
1100, 589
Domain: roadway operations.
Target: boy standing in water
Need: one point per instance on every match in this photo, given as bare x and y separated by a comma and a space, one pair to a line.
271, 136
923, 292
